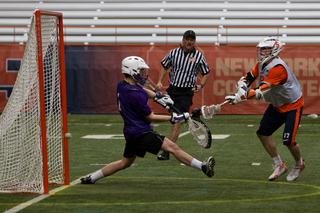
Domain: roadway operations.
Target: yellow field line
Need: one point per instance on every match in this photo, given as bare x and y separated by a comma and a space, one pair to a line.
52, 192
41, 197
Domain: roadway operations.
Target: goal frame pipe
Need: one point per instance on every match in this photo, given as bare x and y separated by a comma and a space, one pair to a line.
64, 103
64, 130
42, 104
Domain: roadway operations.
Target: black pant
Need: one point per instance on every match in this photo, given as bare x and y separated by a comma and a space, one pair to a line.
182, 97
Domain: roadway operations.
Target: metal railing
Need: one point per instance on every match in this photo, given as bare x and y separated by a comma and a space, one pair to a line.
93, 35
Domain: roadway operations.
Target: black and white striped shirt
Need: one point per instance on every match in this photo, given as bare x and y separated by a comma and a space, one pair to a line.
185, 67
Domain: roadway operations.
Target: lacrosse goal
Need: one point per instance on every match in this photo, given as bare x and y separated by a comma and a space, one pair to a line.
33, 148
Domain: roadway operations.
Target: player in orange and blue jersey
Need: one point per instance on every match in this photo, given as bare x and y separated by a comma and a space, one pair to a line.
279, 86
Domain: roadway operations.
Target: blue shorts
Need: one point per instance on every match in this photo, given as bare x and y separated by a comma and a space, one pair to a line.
273, 120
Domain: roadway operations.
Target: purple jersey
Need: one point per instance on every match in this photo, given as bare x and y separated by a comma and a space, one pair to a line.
133, 107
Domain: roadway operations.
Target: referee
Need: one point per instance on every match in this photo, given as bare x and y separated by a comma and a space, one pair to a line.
185, 62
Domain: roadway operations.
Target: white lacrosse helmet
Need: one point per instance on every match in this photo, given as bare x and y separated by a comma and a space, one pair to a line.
267, 49
136, 67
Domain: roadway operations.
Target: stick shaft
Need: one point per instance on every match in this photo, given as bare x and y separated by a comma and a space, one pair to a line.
171, 106
151, 87
178, 111
227, 101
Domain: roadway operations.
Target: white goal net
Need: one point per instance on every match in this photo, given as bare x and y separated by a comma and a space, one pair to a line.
25, 167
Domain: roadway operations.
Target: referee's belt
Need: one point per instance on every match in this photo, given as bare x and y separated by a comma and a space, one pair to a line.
180, 89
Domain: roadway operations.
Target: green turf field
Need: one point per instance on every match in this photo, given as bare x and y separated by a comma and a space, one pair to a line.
150, 185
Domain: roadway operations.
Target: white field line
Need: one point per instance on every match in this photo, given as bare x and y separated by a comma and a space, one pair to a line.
52, 192
41, 197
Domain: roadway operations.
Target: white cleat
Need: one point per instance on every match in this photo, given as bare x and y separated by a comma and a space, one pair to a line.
278, 171
294, 174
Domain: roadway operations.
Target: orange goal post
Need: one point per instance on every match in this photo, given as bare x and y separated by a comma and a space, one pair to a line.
33, 146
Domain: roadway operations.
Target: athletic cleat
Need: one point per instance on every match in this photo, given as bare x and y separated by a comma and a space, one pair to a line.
86, 180
294, 174
196, 114
164, 156
278, 171
207, 166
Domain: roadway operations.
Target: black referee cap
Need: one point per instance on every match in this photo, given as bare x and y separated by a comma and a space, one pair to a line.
189, 33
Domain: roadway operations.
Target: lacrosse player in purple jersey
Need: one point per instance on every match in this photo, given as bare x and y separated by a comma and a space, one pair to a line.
140, 138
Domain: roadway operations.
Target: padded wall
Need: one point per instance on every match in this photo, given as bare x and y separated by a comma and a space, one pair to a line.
93, 73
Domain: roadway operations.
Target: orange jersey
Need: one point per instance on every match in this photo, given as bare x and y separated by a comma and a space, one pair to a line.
277, 76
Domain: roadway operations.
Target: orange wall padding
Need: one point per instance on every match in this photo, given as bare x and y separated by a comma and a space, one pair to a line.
227, 64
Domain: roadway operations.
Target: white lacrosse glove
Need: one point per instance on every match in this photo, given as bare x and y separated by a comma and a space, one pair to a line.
175, 118
164, 100
237, 98
233, 99
242, 84
242, 92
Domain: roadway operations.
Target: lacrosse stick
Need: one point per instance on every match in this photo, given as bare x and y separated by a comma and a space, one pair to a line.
209, 111
198, 129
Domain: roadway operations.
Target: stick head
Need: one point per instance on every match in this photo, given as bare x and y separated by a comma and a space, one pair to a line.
209, 111
217, 108
200, 132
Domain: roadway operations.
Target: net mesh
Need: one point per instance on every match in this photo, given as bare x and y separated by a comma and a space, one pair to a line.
200, 132
209, 111
20, 132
